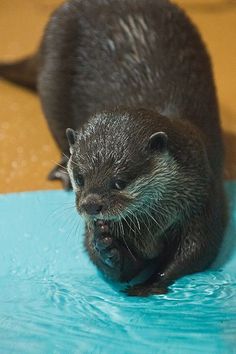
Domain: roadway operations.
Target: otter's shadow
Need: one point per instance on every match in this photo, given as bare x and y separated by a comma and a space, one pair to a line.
230, 155
229, 244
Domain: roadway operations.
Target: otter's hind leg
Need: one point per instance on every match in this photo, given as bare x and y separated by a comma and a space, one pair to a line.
59, 172
196, 252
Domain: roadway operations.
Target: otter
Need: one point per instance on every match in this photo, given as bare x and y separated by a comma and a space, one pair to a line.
131, 84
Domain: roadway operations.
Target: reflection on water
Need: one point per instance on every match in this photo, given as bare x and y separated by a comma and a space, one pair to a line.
53, 301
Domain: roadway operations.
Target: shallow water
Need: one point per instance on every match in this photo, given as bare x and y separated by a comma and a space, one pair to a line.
53, 300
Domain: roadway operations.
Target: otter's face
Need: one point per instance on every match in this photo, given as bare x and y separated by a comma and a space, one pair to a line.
109, 157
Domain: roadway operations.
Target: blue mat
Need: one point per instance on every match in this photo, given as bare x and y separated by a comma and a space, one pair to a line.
53, 300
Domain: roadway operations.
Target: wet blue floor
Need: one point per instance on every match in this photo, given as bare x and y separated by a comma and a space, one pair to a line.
52, 300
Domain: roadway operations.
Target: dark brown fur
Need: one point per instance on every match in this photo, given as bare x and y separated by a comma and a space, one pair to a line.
117, 73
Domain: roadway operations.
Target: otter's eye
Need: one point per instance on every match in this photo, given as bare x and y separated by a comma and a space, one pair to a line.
119, 184
79, 180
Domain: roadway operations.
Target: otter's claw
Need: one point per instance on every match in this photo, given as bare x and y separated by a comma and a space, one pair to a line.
104, 245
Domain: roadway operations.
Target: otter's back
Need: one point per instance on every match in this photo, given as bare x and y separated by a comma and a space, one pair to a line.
136, 53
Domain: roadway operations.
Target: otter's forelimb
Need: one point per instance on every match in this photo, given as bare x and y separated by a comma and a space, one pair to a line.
112, 256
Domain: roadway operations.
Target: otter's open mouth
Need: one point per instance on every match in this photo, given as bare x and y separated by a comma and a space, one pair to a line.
105, 218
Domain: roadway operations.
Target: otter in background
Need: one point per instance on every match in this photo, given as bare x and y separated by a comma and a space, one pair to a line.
133, 81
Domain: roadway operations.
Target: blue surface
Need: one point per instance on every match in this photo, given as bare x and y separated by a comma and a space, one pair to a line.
52, 299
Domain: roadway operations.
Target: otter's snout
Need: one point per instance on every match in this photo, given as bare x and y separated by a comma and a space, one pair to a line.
92, 205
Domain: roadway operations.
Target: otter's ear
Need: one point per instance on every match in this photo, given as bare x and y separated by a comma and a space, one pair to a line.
158, 142
71, 136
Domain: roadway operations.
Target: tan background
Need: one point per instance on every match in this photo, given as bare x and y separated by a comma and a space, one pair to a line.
27, 151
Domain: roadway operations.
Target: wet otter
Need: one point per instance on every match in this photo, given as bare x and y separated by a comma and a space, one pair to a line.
134, 82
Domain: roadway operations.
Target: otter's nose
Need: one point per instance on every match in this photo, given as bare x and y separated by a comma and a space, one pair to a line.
92, 208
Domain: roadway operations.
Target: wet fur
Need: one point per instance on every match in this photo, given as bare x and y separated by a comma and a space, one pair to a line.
117, 72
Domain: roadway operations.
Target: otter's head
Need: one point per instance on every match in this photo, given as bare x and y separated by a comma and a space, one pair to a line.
119, 162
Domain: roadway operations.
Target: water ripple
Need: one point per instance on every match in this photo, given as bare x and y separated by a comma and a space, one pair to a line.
53, 300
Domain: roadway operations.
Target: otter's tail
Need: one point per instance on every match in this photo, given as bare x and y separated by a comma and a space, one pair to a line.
23, 72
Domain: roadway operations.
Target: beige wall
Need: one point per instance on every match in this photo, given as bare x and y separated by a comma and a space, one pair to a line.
27, 151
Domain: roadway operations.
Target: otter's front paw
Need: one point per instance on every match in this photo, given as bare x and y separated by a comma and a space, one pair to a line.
105, 245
